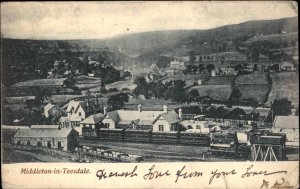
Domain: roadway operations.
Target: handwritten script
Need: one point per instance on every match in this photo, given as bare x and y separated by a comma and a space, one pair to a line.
183, 173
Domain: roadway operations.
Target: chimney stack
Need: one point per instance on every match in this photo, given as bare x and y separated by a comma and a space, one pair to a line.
180, 113
139, 108
165, 109
105, 110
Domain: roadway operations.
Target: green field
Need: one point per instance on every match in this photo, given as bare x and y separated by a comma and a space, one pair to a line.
215, 92
252, 79
151, 104
220, 80
257, 92
285, 85
189, 79
40, 82
118, 85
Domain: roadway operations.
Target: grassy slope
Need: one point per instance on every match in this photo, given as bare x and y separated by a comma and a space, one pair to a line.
285, 85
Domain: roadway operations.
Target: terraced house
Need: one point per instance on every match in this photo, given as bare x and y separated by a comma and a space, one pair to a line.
143, 120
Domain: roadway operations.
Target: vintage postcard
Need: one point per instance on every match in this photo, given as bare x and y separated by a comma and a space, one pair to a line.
184, 94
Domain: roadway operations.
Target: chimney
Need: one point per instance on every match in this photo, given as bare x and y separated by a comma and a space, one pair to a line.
139, 108
105, 110
165, 109
180, 113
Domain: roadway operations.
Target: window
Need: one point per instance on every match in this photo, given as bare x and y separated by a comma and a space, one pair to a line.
79, 114
28, 142
161, 128
49, 144
107, 125
198, 127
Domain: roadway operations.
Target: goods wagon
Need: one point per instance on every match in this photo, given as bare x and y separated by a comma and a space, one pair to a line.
170, 137
194, 139
111, 134
137, 135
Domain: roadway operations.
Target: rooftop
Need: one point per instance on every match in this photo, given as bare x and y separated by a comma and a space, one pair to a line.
286, 122
43, 133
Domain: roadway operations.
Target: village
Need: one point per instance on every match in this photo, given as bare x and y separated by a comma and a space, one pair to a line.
86, 129
225, 94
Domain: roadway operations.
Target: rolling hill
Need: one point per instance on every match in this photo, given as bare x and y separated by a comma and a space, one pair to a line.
140, 49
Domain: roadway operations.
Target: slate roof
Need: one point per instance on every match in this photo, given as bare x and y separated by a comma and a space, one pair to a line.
286, 122
43, 133
48, 106
44, 126
171, 117
93, 119
141, 117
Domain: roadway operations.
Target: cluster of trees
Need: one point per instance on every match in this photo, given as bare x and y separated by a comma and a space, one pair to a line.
173, 90
25, 60
118, 101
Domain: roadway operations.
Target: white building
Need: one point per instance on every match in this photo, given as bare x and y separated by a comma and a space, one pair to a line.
288, 125
76, 112
175, 64
142, 120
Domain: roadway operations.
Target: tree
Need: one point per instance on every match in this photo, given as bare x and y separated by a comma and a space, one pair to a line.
281, 107
255, 67
235, 95
127, 74
238, 68
210, 67
193, 95
221, 112
237, 113
117, 101
192, 57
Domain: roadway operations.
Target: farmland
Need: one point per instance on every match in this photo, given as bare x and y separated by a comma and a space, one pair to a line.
151, 104
41, 82
285, 85
189, 79
256, 92
86, 82
252, 79
220, 80
216, 92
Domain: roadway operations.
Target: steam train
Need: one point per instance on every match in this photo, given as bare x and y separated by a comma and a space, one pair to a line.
149, 136
219, 143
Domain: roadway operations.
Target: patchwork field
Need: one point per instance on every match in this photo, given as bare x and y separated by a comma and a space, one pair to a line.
40, 82
86, 82
151, 104
285, 85
220, 80
118, 85
189, 79
216, 92
257, 92
252, 79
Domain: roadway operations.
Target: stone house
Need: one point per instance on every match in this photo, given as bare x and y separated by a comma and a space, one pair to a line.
141, 119
91, 123
288, 125
64, 139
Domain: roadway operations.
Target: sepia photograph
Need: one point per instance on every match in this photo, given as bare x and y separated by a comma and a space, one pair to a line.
149, 82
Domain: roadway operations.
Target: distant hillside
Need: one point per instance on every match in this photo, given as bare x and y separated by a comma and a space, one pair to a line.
141, 49
227, 38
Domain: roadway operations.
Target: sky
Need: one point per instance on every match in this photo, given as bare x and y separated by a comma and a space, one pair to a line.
96, 20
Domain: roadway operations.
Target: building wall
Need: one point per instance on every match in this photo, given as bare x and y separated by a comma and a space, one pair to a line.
161, 121
44, 141
112, 124
292, 135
